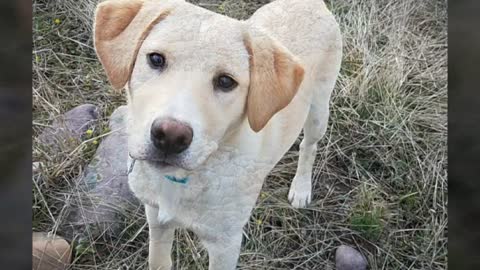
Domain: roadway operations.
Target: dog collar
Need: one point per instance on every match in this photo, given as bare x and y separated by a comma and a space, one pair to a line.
174, 179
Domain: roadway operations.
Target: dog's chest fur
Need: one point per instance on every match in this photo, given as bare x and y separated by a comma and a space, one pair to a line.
226, 188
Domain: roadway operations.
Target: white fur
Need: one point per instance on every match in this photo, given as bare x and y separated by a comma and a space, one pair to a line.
227, 162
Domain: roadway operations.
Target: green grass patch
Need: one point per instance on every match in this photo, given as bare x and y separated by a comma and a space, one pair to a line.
369, 214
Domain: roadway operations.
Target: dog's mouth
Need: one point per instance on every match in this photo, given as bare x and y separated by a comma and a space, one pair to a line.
162, 163
187, 161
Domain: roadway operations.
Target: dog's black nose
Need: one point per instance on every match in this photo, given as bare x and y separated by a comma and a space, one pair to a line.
171, 136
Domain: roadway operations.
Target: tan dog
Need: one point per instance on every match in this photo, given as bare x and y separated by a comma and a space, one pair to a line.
214, 103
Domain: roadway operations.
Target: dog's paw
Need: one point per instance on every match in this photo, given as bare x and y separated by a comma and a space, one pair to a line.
161, 268
299, 199
160, 264
300, 194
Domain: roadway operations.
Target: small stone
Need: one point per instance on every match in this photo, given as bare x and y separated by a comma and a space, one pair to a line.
36, 167
348, 258
50, 252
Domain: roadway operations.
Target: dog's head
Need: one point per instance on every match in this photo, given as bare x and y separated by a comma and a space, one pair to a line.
192, 76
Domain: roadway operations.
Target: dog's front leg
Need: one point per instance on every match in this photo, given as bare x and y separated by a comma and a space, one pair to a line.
223, 252
161, 240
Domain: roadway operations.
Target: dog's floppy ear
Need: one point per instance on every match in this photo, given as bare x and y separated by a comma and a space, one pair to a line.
275, 76
119, 30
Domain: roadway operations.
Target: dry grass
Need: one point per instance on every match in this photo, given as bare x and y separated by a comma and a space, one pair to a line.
380, 180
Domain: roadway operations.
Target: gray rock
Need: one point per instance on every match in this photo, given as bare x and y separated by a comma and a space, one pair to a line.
348, 258
70, 126
108, 167
106, 197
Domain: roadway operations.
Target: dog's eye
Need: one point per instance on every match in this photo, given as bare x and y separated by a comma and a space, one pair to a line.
156, 60
225, 83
